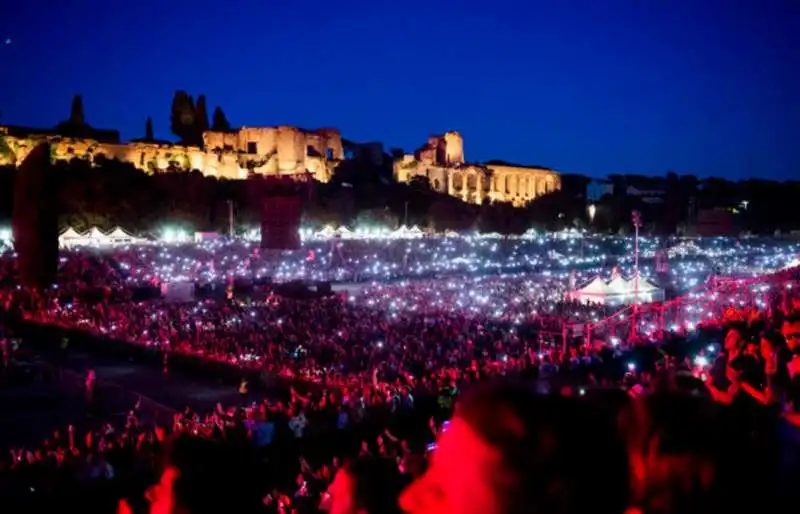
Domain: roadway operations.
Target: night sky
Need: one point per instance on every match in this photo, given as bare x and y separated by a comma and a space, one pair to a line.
710, 87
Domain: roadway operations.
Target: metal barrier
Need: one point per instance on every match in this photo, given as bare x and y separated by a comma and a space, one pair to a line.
706, 303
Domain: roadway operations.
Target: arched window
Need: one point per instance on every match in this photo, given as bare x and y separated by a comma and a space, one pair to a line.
458, 181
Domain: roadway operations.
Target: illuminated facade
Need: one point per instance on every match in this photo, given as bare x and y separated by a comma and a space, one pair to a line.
442, 162
232, 154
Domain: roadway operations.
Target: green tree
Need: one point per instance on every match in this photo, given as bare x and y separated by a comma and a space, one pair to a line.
200, 117
182, 119
219, 121
148, 129
76, 116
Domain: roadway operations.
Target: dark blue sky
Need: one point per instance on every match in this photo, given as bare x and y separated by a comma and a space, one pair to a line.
710, 87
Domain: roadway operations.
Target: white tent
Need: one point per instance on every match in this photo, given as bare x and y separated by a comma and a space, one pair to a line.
619, 285
326, 232
593, 292
120, 236
645, 286
70, 237
401, 231
70, 233
596, 286
617, 292
118, 233
404, 232
95, 235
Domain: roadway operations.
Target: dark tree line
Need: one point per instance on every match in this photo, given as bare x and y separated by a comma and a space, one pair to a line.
189, 119
109, 193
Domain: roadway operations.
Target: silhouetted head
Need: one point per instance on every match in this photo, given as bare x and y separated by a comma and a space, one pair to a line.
675, 444
202, 475
509, 450
365, 485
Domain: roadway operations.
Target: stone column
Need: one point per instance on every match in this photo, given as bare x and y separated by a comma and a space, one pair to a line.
479, 192
450, 189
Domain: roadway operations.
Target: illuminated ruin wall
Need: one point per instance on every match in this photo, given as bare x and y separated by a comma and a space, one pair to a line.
441, 161
273, 150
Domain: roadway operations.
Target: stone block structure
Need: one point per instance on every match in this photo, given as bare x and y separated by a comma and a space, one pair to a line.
441, 161
284, 150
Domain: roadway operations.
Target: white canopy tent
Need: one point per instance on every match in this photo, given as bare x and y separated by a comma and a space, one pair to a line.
70, 237
326, 232
617, 292
344, 232
619, 285
95, 237
407, 233
120, 236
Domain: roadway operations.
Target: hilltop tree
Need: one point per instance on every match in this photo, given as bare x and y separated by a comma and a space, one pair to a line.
148, 129
76, 117
201, 116
219, 121
182, 119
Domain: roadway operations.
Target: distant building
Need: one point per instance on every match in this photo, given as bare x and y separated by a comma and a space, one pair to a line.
441, 161
284, 151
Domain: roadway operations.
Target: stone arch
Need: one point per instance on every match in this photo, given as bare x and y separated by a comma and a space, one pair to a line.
472, 180
458, 180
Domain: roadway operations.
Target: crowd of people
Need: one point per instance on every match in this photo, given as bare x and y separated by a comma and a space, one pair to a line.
451, 394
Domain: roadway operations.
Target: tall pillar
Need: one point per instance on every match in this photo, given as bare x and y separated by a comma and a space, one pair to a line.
479, 187
450, 188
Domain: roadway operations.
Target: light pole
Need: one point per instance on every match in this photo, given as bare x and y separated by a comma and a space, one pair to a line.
637, 222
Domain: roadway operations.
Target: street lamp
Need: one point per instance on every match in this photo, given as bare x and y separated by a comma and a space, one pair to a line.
591, 210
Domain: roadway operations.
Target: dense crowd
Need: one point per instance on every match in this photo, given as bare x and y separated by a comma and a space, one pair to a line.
547, 422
